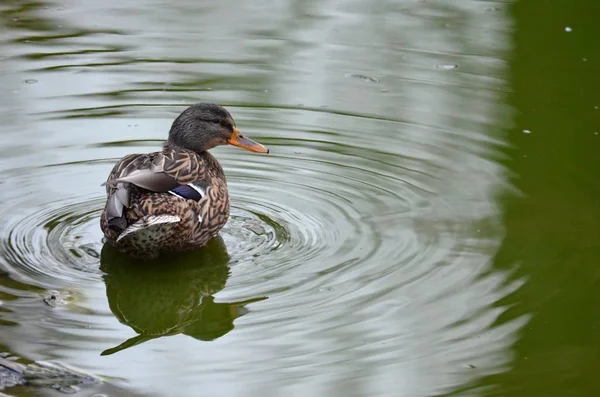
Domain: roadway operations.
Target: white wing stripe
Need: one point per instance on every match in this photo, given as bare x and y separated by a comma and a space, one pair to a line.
147, 222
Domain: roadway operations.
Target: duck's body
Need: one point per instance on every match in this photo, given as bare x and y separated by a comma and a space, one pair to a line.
178, 210
175, 199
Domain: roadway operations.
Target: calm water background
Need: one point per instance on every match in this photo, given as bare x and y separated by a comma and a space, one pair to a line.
427, 222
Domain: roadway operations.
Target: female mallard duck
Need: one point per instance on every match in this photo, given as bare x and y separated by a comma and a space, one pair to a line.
175, 199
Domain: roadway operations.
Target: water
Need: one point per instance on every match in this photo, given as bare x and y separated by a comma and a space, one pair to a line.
404, 236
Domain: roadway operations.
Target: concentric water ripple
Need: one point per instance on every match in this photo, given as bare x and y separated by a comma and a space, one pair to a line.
55, 243
58, 242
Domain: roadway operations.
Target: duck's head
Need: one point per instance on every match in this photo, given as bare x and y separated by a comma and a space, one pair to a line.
205, 125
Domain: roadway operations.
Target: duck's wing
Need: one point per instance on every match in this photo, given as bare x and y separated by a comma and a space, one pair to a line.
169, 171
159, 171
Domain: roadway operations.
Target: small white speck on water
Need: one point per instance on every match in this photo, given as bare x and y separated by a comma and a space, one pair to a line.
568, 29
526, 131
266, 90
447, 66
595, 132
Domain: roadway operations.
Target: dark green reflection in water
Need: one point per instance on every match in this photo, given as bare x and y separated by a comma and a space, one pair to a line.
171, 295
553, 229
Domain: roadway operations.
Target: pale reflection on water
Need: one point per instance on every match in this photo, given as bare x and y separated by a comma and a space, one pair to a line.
370, 227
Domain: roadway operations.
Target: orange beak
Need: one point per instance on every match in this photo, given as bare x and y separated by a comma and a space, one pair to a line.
237, 139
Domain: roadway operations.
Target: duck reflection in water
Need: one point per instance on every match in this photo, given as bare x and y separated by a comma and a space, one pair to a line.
171, 295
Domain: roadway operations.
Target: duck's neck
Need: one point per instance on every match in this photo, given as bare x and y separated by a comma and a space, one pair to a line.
168, 145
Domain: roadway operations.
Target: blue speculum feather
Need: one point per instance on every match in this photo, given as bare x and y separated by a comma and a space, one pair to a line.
187, 192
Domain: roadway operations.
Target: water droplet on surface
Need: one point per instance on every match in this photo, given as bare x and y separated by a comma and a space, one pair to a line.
447, 66
526, 131
568, 29
367, 79
30, 81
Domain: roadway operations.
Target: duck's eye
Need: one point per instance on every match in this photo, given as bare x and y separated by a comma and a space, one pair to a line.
216, 121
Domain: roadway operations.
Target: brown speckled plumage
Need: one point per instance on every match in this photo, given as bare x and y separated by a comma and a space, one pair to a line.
145, 215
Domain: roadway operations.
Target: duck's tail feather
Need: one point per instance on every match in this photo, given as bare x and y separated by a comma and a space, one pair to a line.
115, 205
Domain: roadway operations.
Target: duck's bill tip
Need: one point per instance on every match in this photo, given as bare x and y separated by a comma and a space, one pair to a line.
241, 141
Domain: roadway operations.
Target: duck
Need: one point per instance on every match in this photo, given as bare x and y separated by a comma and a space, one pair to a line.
175, 199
